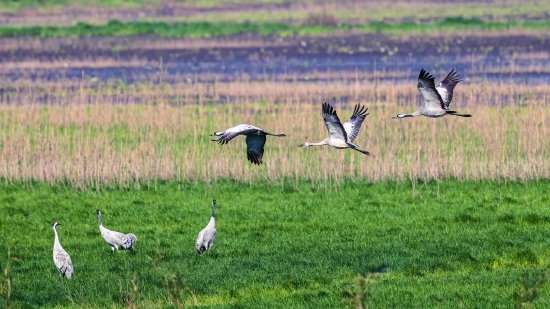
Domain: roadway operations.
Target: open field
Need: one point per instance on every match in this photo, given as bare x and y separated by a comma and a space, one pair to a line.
438, 244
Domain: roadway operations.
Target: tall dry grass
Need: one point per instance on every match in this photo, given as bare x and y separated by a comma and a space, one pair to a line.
103, 135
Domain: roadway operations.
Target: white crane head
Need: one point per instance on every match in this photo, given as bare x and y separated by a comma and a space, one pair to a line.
55, 224
97, 212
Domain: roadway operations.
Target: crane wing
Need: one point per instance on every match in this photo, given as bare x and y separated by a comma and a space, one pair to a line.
334, 126
114, 238
235, 131
353, 125
426, 87
227, 136
446, 87
200, 237
205, 240
209, 237
119, 238
62, 258
64, 264
255, 148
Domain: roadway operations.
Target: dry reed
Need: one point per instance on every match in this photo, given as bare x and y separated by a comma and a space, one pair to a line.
101, 135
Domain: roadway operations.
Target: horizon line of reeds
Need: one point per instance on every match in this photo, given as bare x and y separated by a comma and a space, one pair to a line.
133, 135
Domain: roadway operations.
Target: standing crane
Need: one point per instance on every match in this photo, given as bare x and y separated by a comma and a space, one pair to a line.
116, 239
436, 99
206, 237
61, 258
341, 136
255, 140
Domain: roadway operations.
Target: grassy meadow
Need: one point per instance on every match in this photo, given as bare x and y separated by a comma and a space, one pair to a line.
217, 29
447, 244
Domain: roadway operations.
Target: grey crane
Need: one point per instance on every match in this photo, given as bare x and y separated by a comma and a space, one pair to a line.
116, 239
341, 136
61, 258
206, 237
436, 99
255, 140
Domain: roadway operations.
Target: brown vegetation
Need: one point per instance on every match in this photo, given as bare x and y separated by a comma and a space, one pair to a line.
103, 134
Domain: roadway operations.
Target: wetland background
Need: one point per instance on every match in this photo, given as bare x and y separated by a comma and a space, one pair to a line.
91, 108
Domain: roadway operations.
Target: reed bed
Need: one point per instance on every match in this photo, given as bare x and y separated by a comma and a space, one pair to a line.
134, 135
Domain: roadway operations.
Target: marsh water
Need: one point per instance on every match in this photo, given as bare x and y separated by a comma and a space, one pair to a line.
510, 58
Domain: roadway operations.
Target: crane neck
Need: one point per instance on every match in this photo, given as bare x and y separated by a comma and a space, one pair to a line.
405, 115
213, 210
99, 219
211, 223
56, 240
321, 143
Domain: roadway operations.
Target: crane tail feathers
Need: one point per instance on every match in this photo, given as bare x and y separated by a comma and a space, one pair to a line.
201, 249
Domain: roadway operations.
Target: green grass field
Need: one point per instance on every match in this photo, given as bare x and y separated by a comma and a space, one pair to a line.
213, 29
447, 244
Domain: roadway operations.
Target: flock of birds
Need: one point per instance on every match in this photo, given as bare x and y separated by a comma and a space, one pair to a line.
340, 136
121, 241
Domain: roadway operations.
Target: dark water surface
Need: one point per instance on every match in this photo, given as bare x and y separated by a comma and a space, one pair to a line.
507, 58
